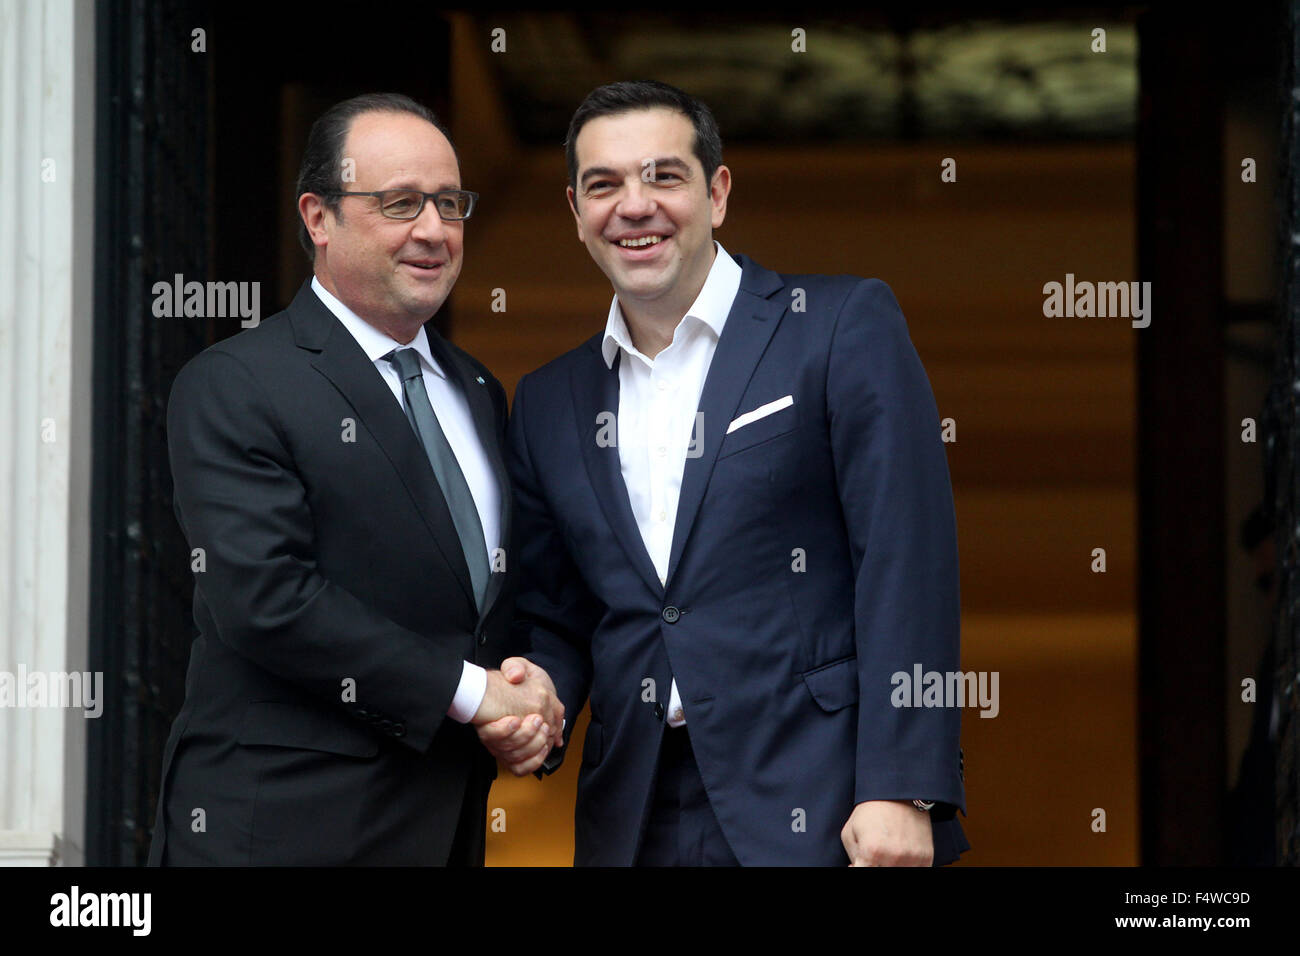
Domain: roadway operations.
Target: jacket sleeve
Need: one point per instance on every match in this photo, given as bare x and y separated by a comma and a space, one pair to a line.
239, 497
555, 612
892, 475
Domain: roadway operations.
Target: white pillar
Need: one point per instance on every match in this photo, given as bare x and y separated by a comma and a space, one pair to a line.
47, 121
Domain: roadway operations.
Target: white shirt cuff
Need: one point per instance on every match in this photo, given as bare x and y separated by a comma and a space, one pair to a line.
469, 694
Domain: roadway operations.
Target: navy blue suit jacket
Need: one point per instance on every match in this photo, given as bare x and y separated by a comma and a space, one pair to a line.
814, 555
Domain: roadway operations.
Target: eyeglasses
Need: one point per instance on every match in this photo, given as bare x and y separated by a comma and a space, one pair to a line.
453, 205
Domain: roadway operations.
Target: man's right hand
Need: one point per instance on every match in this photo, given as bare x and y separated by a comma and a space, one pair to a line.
521, 717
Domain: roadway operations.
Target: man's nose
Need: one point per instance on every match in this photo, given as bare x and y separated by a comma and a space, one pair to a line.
429, 226
637, 202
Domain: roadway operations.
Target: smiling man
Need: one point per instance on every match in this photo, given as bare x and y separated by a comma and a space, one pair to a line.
735, 571
339, 469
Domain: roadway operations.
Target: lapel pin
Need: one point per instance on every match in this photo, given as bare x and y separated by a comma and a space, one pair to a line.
479, 379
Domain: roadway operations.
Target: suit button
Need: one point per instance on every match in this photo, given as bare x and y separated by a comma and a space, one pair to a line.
399, 730
659, 711
482, 637
671, 614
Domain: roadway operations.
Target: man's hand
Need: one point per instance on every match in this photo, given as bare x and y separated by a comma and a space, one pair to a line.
888, 833
520, 718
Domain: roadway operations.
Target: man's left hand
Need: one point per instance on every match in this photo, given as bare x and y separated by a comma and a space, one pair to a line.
888, 833
521, 743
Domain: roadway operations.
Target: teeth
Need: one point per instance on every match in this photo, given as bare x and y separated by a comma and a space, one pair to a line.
643, 241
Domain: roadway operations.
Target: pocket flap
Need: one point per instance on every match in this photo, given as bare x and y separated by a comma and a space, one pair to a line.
277, 724
834, 685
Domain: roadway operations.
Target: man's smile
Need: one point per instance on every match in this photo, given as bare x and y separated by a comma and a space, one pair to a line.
425, 268
641, 245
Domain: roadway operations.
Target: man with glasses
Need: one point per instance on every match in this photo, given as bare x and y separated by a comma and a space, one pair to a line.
339, 469
735, 530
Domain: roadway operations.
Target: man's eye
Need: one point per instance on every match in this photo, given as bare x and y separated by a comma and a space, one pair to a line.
599, 186
401, 205
663, 176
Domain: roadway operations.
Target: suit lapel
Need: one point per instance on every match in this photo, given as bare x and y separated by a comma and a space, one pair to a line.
595, 391
341, 360
477, 394
753, 318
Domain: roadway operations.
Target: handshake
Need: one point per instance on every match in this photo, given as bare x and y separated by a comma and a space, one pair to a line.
520, 718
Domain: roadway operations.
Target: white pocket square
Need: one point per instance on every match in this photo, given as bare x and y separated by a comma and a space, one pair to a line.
761, 412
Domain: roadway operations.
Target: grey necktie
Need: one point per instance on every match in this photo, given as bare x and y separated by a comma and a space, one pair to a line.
445, 467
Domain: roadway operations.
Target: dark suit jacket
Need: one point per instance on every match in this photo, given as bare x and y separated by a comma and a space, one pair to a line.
331, 563
785, 674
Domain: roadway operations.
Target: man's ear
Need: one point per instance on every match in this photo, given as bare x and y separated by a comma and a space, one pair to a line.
573, 207
312, 211
719, 190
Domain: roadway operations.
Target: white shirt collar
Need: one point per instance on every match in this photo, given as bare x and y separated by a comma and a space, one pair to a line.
374, 343
710, 307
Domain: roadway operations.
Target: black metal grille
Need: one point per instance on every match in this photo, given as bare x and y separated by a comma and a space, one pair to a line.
151, 221
1283, 448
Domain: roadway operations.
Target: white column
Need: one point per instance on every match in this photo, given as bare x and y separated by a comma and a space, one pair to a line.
47, 84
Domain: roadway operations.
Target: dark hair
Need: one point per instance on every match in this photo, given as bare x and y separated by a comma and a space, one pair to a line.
626, 96
321, 171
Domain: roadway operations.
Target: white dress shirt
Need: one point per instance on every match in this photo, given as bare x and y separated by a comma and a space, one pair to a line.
657, 404
453, 413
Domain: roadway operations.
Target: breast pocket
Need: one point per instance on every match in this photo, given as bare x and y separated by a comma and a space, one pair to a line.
748, 432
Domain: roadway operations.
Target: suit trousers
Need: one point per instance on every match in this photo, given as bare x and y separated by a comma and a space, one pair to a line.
681, 829
469, 846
